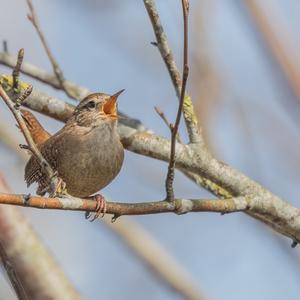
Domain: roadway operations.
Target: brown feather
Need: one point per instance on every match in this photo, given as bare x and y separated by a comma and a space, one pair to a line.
38, 133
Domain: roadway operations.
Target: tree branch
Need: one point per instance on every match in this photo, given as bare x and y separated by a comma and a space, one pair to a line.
221, 179
167, 55
16, 70
33, 71
181, 206
193, 159
218, 177
165, 120
59, 110
174, 129
47, 78
277, 214
32, 17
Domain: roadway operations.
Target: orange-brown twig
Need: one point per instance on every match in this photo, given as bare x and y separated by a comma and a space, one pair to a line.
181, 205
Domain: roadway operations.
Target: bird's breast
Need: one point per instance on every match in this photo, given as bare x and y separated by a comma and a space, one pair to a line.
90, 160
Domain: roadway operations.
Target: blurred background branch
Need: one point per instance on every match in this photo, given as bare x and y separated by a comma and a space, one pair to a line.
35, 271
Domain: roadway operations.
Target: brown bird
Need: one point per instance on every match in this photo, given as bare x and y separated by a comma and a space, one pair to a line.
86, 153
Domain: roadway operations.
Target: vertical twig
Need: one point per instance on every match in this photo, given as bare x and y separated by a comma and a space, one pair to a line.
16, 70
174, 129
32, 17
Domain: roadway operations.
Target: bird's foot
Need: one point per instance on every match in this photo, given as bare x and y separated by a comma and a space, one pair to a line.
100, 208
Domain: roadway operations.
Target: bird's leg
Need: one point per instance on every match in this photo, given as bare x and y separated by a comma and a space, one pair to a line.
100, 207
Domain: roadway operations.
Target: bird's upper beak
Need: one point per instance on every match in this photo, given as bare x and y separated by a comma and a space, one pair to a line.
110, 106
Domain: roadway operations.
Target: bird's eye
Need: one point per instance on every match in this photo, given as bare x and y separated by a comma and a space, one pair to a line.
91, 104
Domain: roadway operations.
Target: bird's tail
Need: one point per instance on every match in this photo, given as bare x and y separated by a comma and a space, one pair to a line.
38, 133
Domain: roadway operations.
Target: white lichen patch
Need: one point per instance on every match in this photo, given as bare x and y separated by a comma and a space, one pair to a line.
186, 206
71, 203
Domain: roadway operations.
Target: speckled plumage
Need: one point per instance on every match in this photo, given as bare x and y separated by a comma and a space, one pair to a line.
86, 153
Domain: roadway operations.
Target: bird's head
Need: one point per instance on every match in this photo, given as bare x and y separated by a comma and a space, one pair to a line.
97, 107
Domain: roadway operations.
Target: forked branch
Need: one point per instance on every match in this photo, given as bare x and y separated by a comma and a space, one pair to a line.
167, 55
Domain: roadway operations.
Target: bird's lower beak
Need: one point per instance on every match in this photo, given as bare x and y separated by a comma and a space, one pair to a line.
110, 106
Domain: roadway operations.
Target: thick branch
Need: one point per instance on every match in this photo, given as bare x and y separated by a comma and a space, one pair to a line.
218, 177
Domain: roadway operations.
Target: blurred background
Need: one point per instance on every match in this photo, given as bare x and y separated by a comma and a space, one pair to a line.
245, 84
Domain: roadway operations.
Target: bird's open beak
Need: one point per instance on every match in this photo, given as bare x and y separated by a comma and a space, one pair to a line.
110, 106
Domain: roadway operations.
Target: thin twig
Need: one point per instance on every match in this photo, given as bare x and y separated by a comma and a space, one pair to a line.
174, 130
167, 55
5, 47
181, 206
23, 97
16, 70
32, 17
166, 121
22, 125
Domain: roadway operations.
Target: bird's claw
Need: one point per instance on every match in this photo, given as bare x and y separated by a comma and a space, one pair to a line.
100, 208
